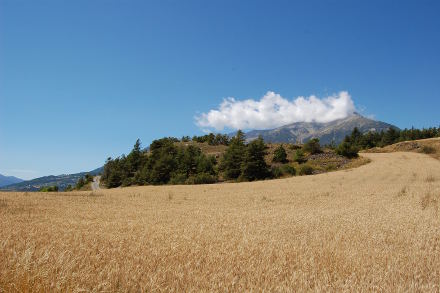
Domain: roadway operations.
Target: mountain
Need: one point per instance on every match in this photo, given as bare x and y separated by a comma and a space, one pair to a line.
301, 132
7, 180
61, 181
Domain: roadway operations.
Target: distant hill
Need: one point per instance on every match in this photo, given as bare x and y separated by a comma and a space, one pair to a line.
7, 180
301, 132
61, 181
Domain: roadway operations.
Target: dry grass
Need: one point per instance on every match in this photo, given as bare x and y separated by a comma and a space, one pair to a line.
338, 231
429, 146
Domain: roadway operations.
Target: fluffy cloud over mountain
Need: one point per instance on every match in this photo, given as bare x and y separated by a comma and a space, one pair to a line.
272, 110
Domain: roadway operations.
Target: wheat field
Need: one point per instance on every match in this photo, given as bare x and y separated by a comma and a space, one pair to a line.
372, 228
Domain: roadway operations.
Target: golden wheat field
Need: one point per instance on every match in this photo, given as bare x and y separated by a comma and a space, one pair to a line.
372, 228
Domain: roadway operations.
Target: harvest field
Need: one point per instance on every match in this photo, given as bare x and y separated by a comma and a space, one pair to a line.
376, 227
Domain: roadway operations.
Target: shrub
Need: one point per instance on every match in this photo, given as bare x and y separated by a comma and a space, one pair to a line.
202, 178
299, 156
313, 146
276, 172
283, 170
331, 167
127, 182
347, 149
288, 169
280, 155
88, 178
427, 150
305, 170
178, 178
49, 188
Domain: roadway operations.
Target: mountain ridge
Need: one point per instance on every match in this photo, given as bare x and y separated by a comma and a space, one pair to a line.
8, 180
62, 181
334, 131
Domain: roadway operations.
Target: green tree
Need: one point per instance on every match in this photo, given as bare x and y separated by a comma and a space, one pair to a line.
162, 169
254, 166
49, 188
355, 136
299, 156
80, 183
390, 137
313, 146
305, 170
280, 155
232, 160
135, 157
347, 149
88, 178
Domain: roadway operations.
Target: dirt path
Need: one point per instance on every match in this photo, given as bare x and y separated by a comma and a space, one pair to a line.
95, 183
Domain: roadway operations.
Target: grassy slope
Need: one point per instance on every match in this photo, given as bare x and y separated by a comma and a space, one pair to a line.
375, 227
412, 146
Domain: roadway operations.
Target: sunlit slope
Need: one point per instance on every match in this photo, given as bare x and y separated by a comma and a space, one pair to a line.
429, 146
375, 227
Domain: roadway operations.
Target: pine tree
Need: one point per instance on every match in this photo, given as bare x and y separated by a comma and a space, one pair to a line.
299, 156
313, 146
233, 157
254, 166
355, 136
280, 155
80, 183
347, 148
390, 137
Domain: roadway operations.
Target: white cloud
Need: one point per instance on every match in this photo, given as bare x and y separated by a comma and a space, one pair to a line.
272, 110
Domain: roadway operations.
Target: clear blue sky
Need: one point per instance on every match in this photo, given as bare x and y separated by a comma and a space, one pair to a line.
82, 80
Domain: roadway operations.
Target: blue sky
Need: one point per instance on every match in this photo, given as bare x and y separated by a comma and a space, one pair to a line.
82, 80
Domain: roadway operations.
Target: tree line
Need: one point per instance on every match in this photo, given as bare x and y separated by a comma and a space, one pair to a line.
166, 162
356, 141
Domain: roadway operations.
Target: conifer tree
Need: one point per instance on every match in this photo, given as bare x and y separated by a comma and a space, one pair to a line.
254, 166
233, 157
280, 155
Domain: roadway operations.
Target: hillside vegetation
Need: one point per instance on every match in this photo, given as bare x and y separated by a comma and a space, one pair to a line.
216, 158
372, 228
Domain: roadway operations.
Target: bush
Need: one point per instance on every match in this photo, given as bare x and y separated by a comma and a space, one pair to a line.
127, 182
88, 178
331, 167
80, 183
280, 155
313, 146
305, 170
288, 169
202, 178
299, 156
427, 150
276, 172
348, 150
178, 178
49, 189
283, 170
